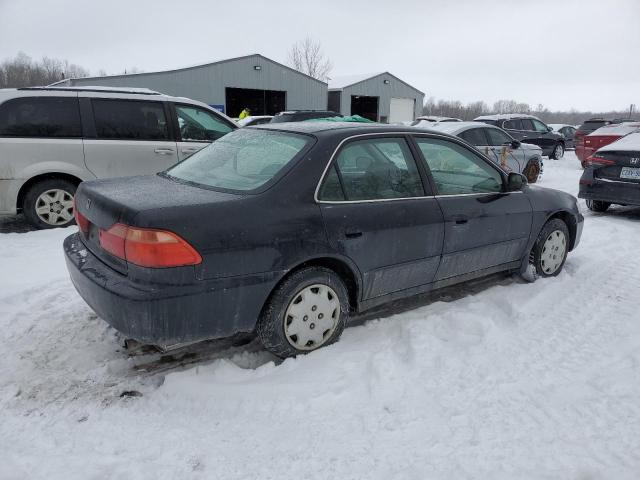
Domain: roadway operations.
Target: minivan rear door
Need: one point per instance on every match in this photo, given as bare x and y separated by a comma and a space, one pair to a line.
196, 127
126, 137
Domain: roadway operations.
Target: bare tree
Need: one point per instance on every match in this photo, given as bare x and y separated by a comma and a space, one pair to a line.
22, 71
307, 57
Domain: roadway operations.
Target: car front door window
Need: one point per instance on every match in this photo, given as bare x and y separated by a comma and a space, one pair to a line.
457, 171
539, 126
198, 125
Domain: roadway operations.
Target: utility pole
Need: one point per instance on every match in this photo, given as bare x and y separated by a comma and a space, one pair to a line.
632, 107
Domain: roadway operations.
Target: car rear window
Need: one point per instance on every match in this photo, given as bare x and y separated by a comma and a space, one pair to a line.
242, 160
592, 126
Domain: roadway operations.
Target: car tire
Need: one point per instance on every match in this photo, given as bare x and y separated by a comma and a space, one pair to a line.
49, 203
558, 151
307, 311
551, 248
598, 206
532, 171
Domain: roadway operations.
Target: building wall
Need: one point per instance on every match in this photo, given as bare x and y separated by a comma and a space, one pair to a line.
207, 83
376, 87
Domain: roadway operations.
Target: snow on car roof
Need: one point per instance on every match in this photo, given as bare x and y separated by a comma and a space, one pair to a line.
616, 129
505, 116
628, 142
455, 127
436, 118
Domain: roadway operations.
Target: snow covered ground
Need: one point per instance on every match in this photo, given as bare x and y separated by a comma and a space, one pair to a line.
497, 380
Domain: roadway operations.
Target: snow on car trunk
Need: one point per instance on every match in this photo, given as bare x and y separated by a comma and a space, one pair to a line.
496, 379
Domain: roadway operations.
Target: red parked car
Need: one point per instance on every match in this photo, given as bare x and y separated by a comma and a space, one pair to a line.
586, 145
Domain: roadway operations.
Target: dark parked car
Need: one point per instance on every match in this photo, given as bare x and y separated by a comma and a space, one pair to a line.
302, 115
612, 175
568, 131
530, 129
288, 231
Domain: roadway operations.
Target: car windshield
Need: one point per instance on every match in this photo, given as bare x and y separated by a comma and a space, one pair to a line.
242, 160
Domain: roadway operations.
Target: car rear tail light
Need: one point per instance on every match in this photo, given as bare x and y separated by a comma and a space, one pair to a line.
596, 160
81, 220
148, 247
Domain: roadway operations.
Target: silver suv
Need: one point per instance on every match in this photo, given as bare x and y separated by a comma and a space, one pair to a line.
52, 138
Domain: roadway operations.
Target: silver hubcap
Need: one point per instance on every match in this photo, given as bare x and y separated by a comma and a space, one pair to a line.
559, 151
553, 252
55, 207
311, 317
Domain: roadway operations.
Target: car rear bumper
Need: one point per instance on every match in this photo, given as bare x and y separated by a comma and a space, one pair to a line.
619, 192
167, 315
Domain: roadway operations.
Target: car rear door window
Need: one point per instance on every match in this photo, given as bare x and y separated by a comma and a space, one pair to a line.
199, 125
498, 137
376, 169
514, 124
41, 117
130, 120
458, 171
475, 136
527, 124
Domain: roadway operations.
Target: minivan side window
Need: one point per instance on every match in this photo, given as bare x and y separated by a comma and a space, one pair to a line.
130, 120
374, 169
41, 117
198, 125
456, 170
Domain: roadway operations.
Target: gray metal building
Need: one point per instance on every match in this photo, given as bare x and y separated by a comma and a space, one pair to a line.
381, 97
259, 83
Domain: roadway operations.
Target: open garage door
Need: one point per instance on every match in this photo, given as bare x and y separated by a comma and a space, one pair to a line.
364, 106
401, 110
260, 102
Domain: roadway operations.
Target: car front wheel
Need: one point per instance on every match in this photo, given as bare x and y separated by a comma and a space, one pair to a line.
550, 250
49, 203
558, 152
598, 206
307, 311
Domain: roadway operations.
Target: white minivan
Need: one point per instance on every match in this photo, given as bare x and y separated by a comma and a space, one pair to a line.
52, 138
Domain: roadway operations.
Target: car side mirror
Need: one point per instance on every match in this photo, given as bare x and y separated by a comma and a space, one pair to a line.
516, 182
549, 129
515, 144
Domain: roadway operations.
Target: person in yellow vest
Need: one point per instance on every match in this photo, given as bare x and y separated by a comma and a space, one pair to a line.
244, 113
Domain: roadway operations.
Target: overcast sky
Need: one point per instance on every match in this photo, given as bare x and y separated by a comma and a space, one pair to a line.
563, 54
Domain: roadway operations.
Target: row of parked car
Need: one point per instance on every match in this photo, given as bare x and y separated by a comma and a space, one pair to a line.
283, 229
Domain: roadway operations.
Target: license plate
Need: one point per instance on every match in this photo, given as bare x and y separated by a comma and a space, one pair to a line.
630, 172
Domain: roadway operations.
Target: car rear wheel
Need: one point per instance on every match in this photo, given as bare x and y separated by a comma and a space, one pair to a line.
558, 152
550, 250
49, 203
598, 206
307, 311
532, 172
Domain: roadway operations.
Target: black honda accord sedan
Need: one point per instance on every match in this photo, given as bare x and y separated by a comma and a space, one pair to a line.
287, 229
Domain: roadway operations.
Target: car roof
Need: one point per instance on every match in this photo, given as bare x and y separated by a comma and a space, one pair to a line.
349, 128
505, 116
453, 128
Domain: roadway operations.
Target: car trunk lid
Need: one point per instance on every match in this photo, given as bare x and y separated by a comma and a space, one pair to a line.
104, 203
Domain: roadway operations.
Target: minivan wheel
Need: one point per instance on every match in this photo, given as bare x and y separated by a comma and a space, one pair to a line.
307, 311
49, 203
532, 172
550, 250
598, 206
558, 152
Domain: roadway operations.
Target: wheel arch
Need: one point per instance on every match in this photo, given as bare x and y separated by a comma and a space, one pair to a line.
343, 267
38, 178
569, 219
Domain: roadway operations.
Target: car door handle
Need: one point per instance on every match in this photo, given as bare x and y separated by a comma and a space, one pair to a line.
460, 219
352, 233
164, 151
190, 149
